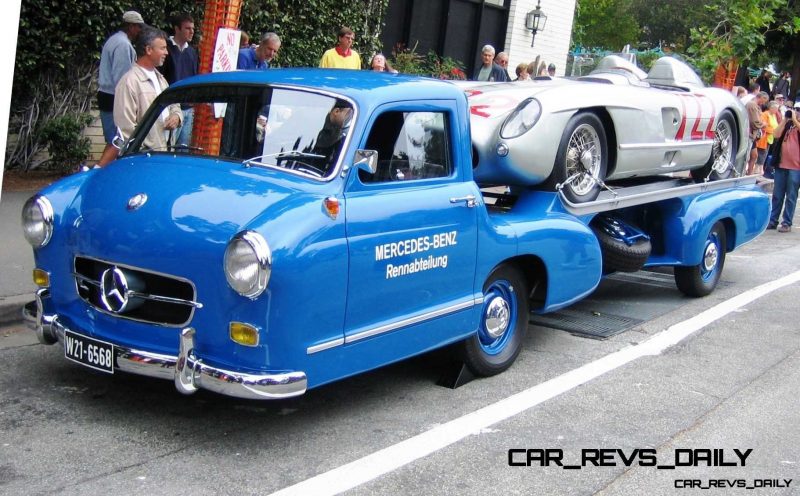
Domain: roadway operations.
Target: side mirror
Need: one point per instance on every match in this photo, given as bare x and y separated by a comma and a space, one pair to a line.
366, 160
120, 144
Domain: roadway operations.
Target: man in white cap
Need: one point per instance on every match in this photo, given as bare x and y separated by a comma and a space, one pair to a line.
116, 59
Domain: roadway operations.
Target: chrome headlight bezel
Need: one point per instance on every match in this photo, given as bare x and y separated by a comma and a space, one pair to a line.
37, 221
522, 119
248, 264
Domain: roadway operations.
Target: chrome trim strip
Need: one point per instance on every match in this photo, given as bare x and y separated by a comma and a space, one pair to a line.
666, 144
198, 375
407, 322
324, 346
85, 279
165, 299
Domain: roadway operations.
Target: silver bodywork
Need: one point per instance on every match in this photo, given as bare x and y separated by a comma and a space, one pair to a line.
661, 123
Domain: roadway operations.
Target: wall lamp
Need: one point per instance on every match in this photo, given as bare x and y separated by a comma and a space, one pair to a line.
535, 21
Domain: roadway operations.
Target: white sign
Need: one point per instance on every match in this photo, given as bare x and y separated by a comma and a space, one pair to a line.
226, 54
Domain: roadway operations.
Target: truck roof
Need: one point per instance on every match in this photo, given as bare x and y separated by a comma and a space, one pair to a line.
366, 88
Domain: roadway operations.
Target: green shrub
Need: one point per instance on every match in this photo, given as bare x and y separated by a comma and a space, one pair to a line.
408, 61
65, 143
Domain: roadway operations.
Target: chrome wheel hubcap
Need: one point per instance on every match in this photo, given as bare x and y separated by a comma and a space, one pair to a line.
497, 317
710, 257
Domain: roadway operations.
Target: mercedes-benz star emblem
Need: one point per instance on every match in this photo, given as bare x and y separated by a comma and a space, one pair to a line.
114, 290
137, 201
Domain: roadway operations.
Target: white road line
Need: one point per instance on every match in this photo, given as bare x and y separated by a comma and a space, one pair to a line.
393, 457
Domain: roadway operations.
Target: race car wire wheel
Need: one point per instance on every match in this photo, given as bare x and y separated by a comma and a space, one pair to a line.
584, 154
723, 147
721, 163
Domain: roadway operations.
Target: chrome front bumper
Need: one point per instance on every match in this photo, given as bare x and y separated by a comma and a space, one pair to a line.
187, 370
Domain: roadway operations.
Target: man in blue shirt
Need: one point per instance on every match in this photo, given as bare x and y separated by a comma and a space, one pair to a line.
116, 59
261, 56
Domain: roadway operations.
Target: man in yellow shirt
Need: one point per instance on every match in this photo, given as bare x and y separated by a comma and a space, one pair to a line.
341, 56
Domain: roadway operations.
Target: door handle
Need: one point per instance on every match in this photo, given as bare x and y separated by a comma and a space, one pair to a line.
468, 200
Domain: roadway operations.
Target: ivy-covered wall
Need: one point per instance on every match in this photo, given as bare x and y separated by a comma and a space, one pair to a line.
59, 45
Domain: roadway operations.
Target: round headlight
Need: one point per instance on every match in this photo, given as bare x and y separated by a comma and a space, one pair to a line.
521, 119
248, 264
37, 221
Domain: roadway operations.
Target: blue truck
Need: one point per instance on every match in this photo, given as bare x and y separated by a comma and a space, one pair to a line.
334, 226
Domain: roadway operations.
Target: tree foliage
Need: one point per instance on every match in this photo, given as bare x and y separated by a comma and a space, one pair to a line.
737, 28
605, 24
667, 24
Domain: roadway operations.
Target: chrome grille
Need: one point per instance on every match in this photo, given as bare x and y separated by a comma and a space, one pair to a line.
136, 294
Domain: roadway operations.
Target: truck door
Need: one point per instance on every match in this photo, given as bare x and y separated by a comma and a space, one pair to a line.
411, 227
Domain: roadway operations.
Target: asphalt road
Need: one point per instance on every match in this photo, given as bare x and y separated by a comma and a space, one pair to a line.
731, 384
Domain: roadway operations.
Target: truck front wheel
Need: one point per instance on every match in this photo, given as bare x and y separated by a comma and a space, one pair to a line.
504, 320
700, 280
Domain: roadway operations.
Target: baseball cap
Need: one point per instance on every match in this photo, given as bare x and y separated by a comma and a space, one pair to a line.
778, 96
132, 17
797, 105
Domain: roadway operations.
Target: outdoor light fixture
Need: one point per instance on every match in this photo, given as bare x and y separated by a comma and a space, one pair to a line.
535, 21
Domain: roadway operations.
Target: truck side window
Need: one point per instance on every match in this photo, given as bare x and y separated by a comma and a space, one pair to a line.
410, 145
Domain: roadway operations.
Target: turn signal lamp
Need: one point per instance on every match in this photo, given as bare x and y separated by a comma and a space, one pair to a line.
243, 334
41, 278
332, 207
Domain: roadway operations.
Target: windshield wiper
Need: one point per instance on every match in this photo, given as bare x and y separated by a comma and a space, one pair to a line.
286, 154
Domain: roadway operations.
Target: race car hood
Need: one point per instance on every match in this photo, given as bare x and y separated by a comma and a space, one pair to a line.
181, 208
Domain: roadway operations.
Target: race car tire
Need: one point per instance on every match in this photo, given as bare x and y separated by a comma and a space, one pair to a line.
583, 146
722, 162
618, 256
504, 321
700, 280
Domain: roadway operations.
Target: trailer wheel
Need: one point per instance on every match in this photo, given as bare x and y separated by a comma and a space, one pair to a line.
700, 280
582, 158
721, 164
504, 320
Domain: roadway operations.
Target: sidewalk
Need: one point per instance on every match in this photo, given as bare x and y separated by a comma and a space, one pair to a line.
16, 258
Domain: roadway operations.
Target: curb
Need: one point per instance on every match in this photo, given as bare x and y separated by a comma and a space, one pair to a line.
11, 308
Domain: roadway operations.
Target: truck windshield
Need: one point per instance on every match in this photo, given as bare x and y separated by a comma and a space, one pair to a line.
299, 131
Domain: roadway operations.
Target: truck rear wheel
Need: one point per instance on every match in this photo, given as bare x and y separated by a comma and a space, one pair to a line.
700, 280
582, 158
721, 164
504, 320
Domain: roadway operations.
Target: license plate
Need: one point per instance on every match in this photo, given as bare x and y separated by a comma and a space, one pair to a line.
92, 353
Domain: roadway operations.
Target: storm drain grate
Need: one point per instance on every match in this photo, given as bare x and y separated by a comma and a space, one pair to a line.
659, 277
586, 323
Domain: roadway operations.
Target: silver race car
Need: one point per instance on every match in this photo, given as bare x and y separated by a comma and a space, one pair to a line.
618, 122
